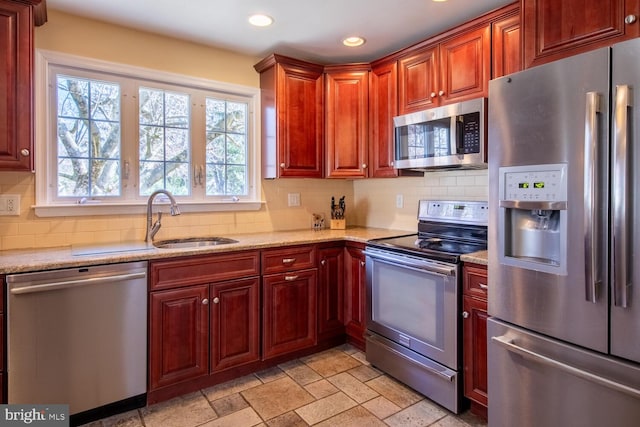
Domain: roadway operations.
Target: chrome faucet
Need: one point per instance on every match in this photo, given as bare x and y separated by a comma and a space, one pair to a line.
153, 229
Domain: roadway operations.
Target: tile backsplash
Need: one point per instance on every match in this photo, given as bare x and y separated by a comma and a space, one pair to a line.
369, 202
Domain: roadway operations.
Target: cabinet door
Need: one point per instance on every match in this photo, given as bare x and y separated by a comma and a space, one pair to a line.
16, 46
417, 81
347, 116
383, 107
507, 54
179, 332
330, 292
289, 312
235, 323
557, 29
299, 122
355, 286
465, 63
474, 333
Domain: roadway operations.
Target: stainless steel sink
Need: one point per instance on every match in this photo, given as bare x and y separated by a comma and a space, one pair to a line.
193, 242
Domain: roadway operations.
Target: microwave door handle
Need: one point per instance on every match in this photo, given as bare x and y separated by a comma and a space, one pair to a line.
621, 283
592, 221
459, 134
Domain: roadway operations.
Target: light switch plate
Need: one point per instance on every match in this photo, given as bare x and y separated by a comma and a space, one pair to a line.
399, 201
294, 199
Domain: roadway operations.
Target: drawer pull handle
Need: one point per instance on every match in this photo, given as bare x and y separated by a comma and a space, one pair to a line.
483, 286
290, 278
288, 260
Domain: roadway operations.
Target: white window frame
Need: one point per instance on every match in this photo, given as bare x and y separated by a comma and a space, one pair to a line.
48, 205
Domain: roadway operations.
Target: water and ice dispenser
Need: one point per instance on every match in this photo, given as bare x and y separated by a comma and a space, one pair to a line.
533, 217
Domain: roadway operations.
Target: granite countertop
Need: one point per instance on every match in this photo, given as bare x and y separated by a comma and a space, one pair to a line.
20, 261
480, 257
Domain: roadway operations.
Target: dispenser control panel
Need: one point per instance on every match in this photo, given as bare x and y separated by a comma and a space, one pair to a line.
535, 183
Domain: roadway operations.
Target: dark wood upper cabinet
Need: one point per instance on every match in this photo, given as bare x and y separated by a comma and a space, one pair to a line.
383, 107
507, 45
453, 70
16, 85
347, 116
556, 29
292, 117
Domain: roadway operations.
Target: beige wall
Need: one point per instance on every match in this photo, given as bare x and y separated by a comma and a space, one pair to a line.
369, 202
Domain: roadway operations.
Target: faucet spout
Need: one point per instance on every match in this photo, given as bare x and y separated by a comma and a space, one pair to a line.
153, 228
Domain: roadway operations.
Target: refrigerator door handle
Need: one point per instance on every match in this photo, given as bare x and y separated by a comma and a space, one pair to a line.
509, 345
620, 190
592, 247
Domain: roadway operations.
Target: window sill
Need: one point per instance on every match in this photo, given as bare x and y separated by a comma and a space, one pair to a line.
92, 209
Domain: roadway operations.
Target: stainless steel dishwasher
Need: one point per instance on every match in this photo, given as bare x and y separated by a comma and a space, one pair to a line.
78, 336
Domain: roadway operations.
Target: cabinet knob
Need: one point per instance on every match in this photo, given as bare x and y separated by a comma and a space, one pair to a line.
282, 165
362, 263
216, 300
433, 94
205, 301
25, 152
465, 314
323, 262
483, 286
441, 93
630, 19
364, 166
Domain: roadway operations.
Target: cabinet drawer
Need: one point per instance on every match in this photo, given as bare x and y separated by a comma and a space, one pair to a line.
288, 259
475, 280
204, 269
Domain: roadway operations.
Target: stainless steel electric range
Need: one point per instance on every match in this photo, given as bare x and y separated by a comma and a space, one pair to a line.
414, 298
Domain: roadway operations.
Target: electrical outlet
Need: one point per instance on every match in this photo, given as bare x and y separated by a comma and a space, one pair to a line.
10, 204
294, 199
399, 201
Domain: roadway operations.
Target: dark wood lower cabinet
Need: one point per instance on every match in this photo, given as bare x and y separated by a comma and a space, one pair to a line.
330, 292
179, 335
235, 323
355, 294
474, 336
289, 312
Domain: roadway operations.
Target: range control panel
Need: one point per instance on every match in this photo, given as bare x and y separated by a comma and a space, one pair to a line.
453, 211
546, 183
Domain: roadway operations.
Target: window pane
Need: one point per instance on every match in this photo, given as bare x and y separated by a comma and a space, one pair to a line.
88, 133
226, 152
164, 144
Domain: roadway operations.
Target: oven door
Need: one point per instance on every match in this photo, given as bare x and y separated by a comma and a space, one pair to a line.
413, 301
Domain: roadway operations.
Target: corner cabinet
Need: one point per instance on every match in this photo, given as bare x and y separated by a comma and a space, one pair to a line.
452, 70
292, 117
17, 19
474, 336
557, 29
347, 117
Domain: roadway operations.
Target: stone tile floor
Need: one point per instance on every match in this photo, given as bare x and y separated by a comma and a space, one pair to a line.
336, 387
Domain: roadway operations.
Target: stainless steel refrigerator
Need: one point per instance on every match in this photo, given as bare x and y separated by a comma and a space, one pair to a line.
564, 242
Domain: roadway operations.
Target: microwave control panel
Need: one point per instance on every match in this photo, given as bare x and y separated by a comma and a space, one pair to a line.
534, 183
470, 132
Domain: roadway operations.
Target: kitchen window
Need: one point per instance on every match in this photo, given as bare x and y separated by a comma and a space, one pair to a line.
108, 135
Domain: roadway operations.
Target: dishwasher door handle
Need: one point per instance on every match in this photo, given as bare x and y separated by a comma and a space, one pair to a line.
75, 283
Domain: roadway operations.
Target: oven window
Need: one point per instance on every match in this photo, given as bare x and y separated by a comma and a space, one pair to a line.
409, 301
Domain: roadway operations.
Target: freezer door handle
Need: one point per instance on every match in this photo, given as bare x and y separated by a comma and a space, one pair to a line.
592, 246
620, 189
509, 345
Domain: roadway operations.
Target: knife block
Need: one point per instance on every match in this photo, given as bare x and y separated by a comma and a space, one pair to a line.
338, 224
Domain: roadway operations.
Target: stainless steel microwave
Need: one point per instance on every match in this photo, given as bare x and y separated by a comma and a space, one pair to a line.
451, 136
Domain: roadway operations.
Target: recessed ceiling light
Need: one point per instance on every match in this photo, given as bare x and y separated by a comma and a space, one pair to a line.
353, 41
438, 1
260, 20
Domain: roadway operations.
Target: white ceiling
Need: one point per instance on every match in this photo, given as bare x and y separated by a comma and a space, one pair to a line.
306, 29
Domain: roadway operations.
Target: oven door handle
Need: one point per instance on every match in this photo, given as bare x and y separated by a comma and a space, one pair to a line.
419, 264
